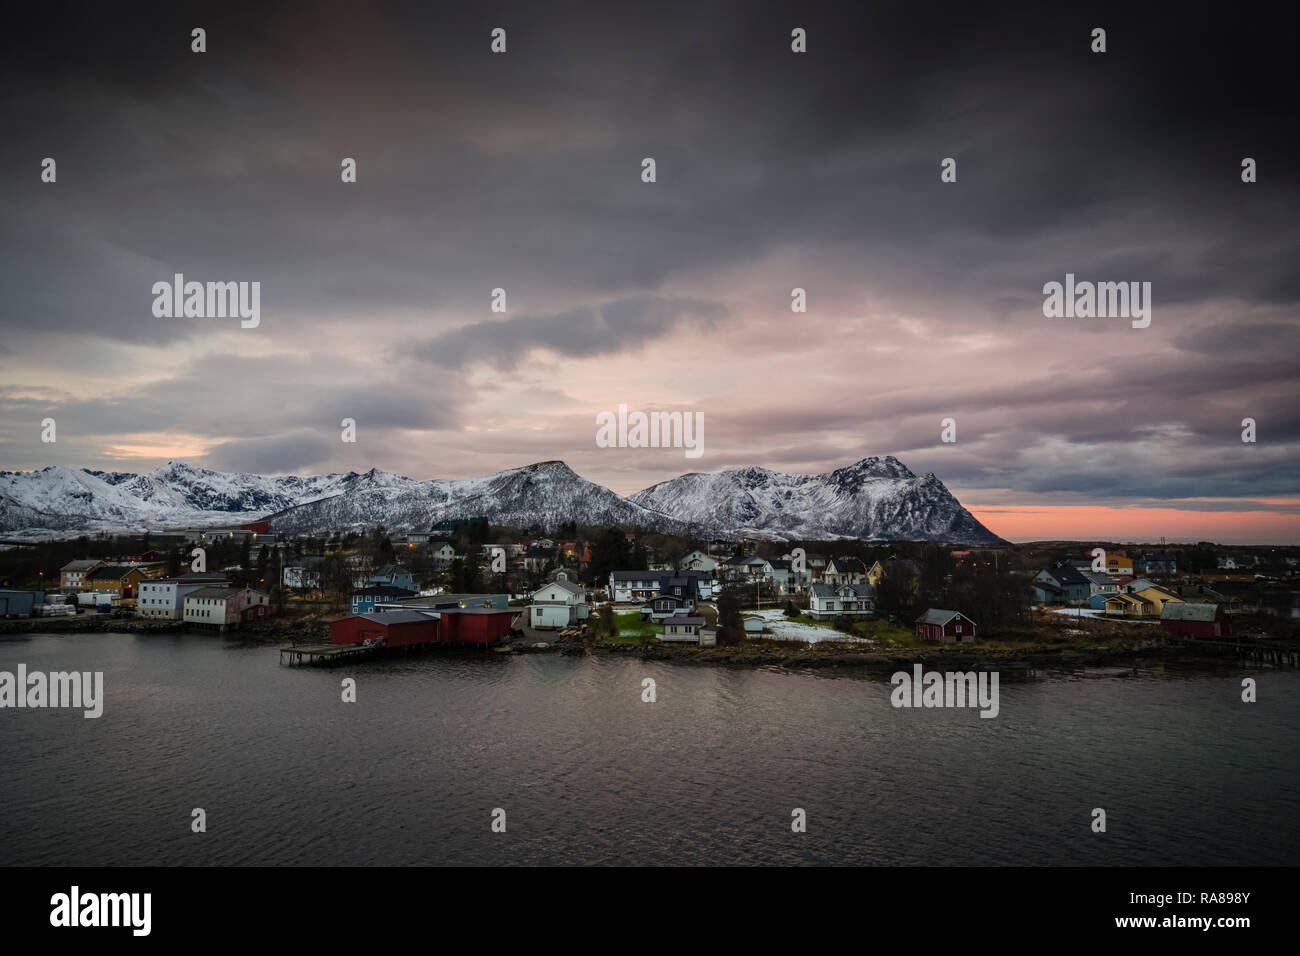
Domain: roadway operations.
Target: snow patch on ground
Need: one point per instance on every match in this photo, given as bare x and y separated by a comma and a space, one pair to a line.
785, 629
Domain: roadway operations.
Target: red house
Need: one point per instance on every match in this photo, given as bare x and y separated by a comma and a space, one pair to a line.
950, 627
1195, 620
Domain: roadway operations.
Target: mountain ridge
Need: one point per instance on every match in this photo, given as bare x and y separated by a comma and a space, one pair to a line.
873, 498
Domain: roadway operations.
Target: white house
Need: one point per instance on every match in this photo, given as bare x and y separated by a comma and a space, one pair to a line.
225, 607
164, 598
840, 600
683, 629
698, 561
663, 606
559, 604
629, 586
844, 570
444, 554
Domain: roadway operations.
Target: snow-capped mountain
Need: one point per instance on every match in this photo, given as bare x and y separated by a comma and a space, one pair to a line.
876, 498
65, 499
547, 494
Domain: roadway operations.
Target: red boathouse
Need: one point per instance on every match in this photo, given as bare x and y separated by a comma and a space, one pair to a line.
473, 625
1195, 620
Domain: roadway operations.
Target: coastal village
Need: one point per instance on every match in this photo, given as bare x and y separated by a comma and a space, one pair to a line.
472, 585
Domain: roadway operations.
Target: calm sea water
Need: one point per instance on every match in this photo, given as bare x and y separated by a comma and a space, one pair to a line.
589, 774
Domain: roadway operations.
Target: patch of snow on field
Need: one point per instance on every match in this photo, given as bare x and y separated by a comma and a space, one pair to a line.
1096, 615
785, 629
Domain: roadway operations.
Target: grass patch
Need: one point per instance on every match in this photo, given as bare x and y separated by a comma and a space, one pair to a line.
629, 627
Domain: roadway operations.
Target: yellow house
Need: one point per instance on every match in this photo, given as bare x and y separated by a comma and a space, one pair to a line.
1159, 597
875, 573
1132, 605
1118, 565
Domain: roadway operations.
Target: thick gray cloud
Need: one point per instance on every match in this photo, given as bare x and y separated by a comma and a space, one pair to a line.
619, 326
775, 170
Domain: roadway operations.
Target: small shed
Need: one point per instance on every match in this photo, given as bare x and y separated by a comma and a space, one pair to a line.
754, 624
948, 627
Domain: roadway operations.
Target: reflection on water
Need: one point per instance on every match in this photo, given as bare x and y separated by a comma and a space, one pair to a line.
587, 773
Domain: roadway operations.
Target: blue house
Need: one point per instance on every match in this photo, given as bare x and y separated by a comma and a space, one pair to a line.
1061, 584
394, 576
363, 600
1161, 561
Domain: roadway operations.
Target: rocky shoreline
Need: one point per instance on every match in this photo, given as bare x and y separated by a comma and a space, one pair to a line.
1152, 654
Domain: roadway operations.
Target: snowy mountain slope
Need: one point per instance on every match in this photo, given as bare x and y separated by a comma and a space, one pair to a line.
58, 498
548, 494
876, 498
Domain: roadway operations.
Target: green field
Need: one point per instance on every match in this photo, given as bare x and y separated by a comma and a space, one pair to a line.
632, 629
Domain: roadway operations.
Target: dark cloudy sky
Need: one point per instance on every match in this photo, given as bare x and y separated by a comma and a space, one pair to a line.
775, 170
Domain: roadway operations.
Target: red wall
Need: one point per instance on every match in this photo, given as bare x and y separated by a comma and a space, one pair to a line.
477, 628
470, 628
1200, 629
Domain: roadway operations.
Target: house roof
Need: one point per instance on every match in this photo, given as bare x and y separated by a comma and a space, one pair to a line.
383, 590
214, 592
1065, 574
937, 615
638, 575
831, 590
400, 617
112, 572
684, 620
1175, 611
1125, 596
563, 585
81, 565
848, 563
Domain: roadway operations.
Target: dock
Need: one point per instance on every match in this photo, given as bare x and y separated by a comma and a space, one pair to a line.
327, 655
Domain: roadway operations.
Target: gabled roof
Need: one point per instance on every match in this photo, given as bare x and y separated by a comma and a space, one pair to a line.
214, 592
1176, 611
562, 585
400, 617
383, 590
638, 575
937, 615
831, 590
113, 572
1098, 577
81, 565
1065, 574
847, 563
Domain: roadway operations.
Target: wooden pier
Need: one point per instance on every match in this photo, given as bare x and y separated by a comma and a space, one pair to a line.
327, 655
1277, 653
